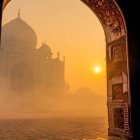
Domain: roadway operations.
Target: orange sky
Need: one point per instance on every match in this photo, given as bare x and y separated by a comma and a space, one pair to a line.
70, 27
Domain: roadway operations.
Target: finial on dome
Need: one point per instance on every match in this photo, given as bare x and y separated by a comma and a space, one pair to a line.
19, 12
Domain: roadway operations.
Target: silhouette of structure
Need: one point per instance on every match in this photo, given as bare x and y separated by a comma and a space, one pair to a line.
23, 68
122, 29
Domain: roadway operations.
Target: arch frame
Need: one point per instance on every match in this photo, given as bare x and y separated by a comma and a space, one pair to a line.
133, 66
113, 23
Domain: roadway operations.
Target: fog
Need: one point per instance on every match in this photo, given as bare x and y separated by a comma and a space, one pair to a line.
32, 105
35, 80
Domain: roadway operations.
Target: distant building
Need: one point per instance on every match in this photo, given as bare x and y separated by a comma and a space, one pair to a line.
23, 67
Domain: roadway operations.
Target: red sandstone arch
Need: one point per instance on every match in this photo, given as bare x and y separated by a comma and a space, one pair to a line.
118, 94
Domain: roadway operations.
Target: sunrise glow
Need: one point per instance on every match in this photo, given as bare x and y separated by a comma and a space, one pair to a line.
97, 69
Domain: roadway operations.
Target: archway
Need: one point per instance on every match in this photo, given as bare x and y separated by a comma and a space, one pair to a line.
118, 95
117, 65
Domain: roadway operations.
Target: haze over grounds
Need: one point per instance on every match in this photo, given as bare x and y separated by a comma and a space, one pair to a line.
70, 27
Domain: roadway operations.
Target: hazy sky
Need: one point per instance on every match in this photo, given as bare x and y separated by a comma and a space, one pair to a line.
70, 27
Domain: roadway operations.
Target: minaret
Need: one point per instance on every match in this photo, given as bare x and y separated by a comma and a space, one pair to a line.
58, 55
64, 58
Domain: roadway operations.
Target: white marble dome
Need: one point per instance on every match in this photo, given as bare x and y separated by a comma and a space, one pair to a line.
17, 33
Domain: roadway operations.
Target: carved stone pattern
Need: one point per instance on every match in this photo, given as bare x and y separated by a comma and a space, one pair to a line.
117, 90
116, 53
112, 128
115, 70
118, 115
108, 13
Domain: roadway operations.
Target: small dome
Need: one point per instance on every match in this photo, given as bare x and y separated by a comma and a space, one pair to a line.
17, 33
45, 50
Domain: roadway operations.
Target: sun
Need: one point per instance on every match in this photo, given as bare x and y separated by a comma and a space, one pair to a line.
97, 69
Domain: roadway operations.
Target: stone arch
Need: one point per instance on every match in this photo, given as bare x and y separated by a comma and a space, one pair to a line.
118, 76
118, 95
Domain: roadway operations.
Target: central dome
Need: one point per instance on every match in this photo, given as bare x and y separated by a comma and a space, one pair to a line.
17, 33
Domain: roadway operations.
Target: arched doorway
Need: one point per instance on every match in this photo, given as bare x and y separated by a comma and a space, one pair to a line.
119, 101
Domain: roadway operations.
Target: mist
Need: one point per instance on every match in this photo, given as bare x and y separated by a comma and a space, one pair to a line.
35, 105
35, 77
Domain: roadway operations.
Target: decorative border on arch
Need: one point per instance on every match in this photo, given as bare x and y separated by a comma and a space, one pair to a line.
109, 14
125, 130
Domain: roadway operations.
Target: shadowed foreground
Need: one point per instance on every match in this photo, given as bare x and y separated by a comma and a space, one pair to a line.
53, 129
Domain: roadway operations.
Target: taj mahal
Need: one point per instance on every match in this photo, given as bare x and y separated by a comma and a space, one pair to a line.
23, 67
